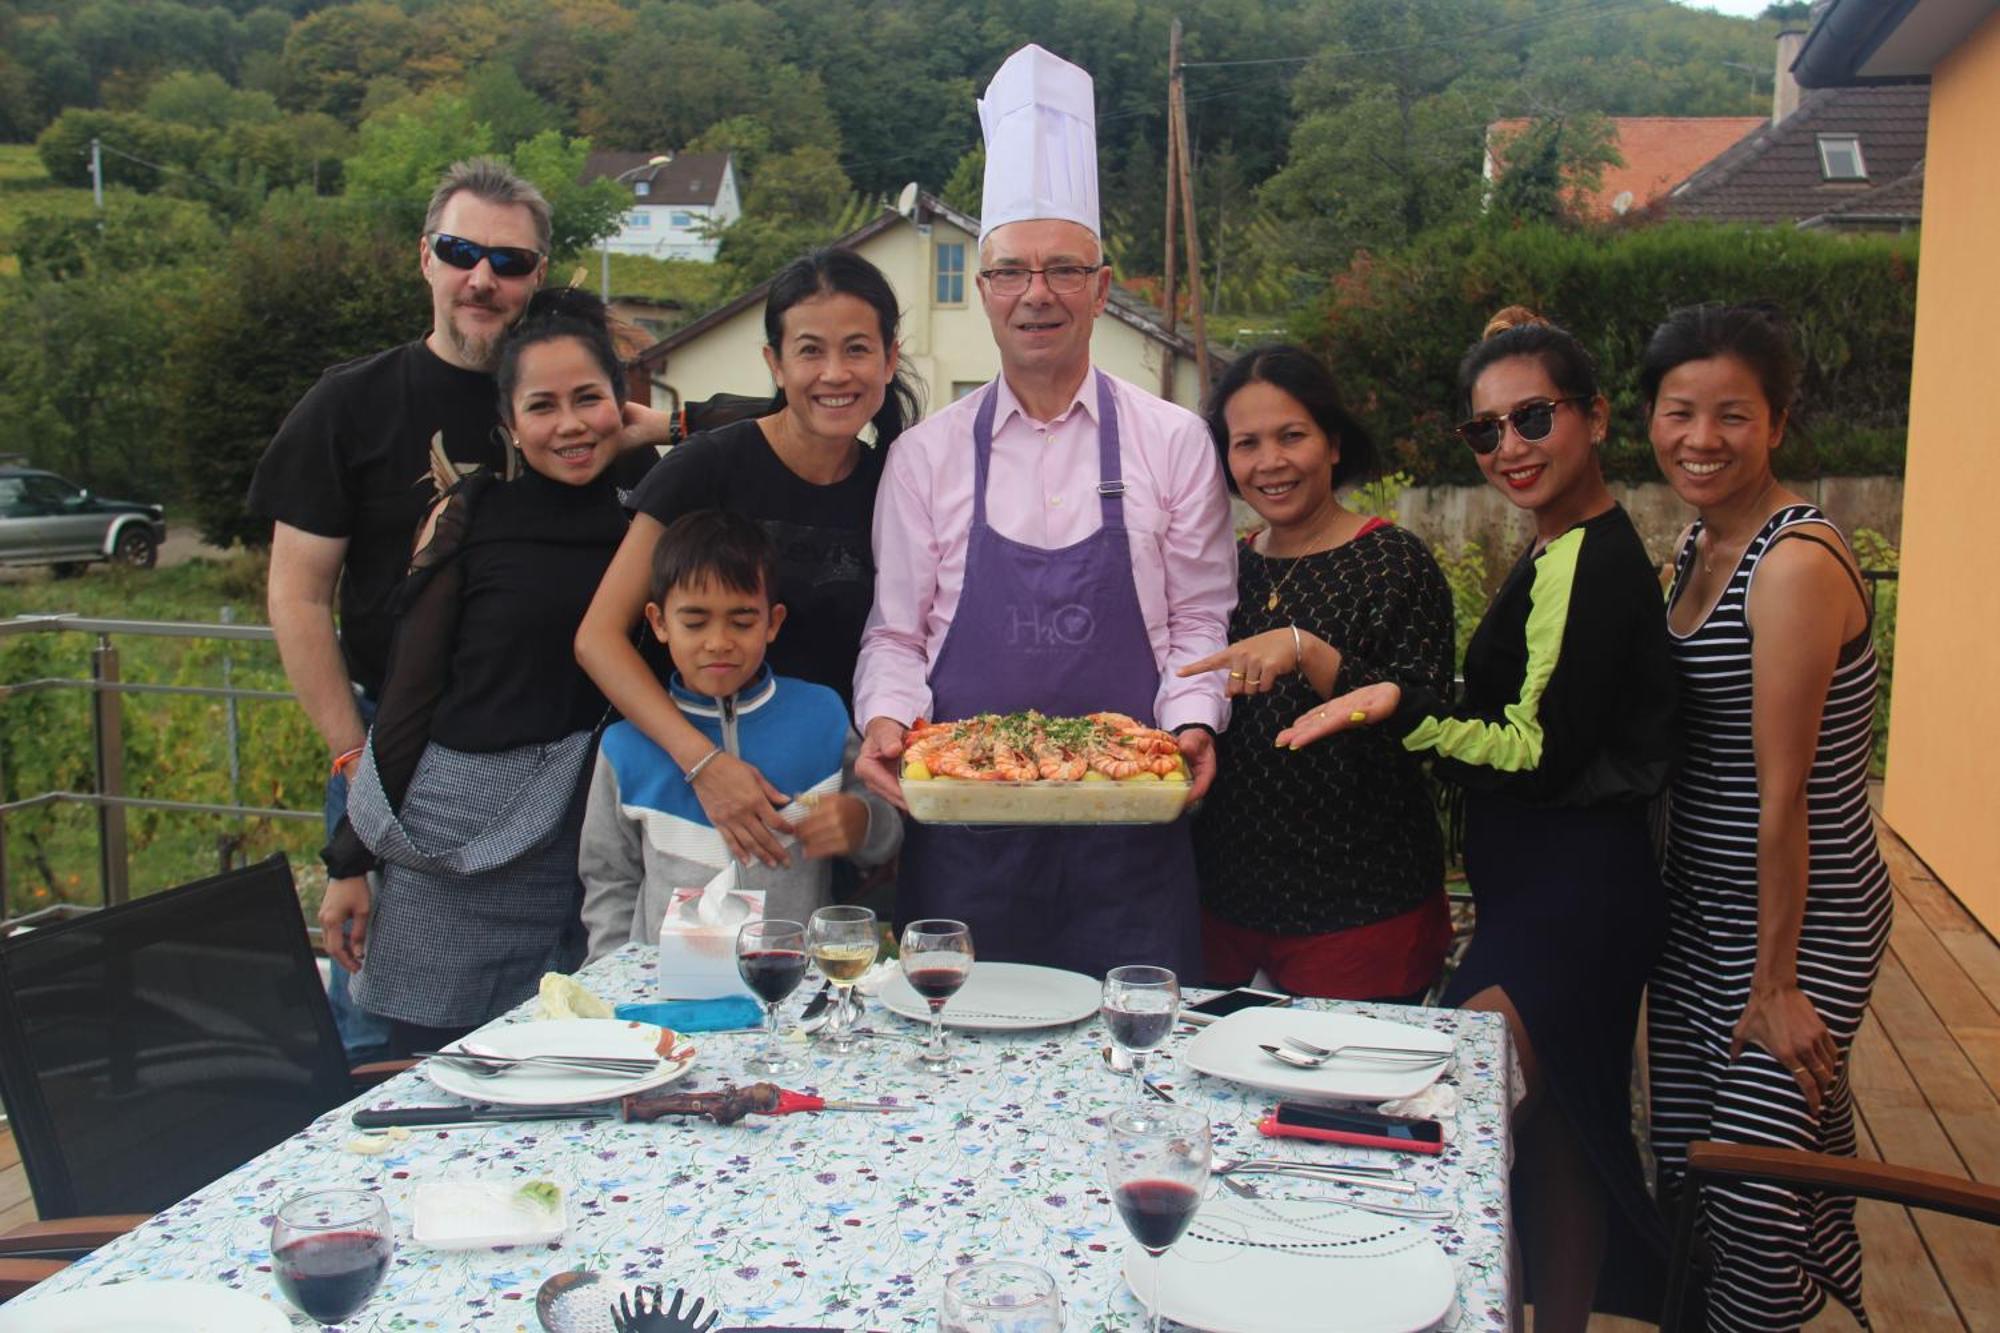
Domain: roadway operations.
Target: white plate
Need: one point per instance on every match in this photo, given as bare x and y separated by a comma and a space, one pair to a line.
145, 1307
1003, 997
1342, 1271
1227, 1048
548, 1086
482, 1214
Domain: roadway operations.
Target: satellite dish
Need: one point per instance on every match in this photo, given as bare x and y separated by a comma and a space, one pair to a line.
906, 202
1623, 203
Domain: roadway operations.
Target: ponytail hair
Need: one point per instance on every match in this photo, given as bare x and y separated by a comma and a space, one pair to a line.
1518, 331
829, 272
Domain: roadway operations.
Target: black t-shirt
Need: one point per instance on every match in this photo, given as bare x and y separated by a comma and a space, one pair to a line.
826, 567
353, 460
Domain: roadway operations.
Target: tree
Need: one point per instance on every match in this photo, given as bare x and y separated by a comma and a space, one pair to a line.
330, 57
314, 283
796, 201
206, 101
505, 104
139, 152
1551, 168
403, 150
966, 186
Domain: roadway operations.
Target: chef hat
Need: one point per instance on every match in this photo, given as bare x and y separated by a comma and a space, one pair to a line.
1040, 120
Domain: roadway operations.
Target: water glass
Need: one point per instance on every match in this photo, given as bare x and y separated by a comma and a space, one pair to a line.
771, 959
329, 1250
936, 959
1156, 1161
1139, 1008
844, 943
1000, 1296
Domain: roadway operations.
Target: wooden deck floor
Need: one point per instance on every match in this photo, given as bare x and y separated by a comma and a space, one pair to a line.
1927, 1083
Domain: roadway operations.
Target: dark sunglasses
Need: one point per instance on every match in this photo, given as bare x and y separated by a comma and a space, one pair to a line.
508, 261
1532, 421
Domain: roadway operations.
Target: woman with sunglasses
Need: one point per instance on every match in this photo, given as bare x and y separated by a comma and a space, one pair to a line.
1324, 869
467, 796
1561, 740
807, 471
1778, 902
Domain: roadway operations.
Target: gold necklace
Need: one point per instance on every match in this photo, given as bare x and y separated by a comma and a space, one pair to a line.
1271, 602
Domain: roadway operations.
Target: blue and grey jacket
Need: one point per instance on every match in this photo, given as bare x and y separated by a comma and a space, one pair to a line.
645, 833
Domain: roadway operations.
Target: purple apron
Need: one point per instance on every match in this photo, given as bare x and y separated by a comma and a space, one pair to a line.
1060, 631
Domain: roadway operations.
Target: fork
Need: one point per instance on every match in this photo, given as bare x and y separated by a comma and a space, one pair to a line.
630, 1315
1249, 1191
492, 1066
1331, 1174
1406, 1054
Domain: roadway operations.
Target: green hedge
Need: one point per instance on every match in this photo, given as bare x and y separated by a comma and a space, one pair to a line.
1396, 324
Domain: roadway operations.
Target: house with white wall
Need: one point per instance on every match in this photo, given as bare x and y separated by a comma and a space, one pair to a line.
929, 251
680, 202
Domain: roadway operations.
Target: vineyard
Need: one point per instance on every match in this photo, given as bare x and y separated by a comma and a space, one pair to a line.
176, 747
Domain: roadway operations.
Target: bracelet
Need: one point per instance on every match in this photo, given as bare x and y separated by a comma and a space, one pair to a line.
702, 763
345, 763
1298, 651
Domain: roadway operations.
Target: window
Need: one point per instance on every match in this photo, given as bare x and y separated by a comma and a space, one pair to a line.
642, 188
962, 388
1840, 158
639, 219
950, 272
682, 219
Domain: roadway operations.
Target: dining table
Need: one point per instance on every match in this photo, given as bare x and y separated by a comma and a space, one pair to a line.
822, 1220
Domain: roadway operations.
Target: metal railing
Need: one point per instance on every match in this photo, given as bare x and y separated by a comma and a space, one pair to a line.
108, 739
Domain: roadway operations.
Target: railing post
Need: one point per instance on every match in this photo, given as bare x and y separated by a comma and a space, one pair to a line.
107, 715
235, 760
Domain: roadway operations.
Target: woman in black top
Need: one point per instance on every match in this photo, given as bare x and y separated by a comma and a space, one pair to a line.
804, 473
1325, 869
466, 795
1562, 739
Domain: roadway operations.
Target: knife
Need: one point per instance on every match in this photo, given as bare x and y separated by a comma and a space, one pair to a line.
725, 1107
413, 1116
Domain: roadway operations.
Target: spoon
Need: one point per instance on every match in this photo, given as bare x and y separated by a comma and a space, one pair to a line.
1298, 1061
565, 1304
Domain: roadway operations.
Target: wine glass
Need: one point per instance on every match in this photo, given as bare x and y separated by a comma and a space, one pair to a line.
843, 942
329, 1250
1001, 1296
1139, 1007
1156, 1160
936, 957
771, 958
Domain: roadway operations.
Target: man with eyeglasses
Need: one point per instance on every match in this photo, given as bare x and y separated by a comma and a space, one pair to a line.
342, 483
1058, 540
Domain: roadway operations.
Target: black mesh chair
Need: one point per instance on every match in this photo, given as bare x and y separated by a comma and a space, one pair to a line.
149, 1048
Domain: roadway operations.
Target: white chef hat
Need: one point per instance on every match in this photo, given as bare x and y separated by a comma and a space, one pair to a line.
1039, 116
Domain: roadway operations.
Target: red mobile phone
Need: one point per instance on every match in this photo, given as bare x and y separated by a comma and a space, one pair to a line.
1359, 1129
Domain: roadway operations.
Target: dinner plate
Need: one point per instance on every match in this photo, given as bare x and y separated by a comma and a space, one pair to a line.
1003, 997
550, 1086
1297, 1266
145, 1307
1227, 1048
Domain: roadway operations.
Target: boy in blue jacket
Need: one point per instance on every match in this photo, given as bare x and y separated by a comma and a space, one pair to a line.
644, 832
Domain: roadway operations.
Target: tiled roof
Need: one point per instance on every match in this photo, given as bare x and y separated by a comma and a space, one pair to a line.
686, 179
1899, 203
1774, 175
1659, 151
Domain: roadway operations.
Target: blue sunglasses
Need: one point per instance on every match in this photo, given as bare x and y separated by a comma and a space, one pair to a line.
508, 261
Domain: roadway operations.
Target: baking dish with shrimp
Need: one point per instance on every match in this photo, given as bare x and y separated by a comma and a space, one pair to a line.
1025, 768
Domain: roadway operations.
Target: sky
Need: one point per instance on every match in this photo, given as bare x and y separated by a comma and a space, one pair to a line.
1746, 9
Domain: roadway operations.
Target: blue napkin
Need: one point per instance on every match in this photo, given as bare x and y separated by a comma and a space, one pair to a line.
717, 1015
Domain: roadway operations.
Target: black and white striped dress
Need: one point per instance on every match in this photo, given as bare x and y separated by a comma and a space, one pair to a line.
1778, 1253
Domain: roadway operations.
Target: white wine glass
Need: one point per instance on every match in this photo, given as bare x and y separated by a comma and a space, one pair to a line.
844, 942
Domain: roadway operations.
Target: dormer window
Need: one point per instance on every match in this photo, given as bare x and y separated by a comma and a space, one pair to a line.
1840, 158
642, 188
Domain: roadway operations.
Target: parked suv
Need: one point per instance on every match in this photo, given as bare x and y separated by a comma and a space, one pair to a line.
45, 520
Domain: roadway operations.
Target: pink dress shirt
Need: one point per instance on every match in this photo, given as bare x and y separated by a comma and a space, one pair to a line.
1043, 492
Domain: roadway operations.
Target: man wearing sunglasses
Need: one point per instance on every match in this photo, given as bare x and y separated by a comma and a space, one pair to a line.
1060, 541
340, 480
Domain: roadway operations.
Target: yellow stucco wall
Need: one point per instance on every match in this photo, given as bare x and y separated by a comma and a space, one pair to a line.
1943, 791
945, 345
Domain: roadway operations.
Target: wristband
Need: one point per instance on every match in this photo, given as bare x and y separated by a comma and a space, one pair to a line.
1194, 726
702, 763
1298, 651
345, 764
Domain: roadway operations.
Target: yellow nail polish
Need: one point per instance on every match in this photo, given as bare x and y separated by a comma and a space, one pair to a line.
1357, 716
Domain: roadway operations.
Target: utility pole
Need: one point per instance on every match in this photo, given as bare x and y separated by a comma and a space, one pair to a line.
1172, 296
1177, 118
97, 174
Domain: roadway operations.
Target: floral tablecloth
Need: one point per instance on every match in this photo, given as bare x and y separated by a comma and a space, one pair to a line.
833, 1220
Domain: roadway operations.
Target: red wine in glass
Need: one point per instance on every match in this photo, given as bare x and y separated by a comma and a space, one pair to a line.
936, 958
935, 984
1156, 1212
331, 1276
772, 974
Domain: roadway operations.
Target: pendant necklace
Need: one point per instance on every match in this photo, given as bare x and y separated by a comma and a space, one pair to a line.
1271, 602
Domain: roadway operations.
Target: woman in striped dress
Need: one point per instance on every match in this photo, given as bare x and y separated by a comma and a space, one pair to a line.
1778, 901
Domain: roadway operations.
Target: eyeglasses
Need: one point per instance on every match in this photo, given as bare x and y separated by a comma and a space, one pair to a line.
508, 261
1532, 421
1063, 279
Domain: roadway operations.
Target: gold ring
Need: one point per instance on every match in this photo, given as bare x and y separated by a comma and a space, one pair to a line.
1236, 675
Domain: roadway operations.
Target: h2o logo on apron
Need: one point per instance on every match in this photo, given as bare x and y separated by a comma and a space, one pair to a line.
1069, 626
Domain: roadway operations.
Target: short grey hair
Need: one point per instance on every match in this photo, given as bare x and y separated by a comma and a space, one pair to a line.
494, 181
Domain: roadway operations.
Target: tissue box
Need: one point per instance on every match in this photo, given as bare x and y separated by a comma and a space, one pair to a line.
698, 943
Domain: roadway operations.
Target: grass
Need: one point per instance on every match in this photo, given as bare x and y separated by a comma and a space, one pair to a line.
175, 747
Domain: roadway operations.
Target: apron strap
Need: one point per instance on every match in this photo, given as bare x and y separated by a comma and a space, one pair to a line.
1110, 467
982, 450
